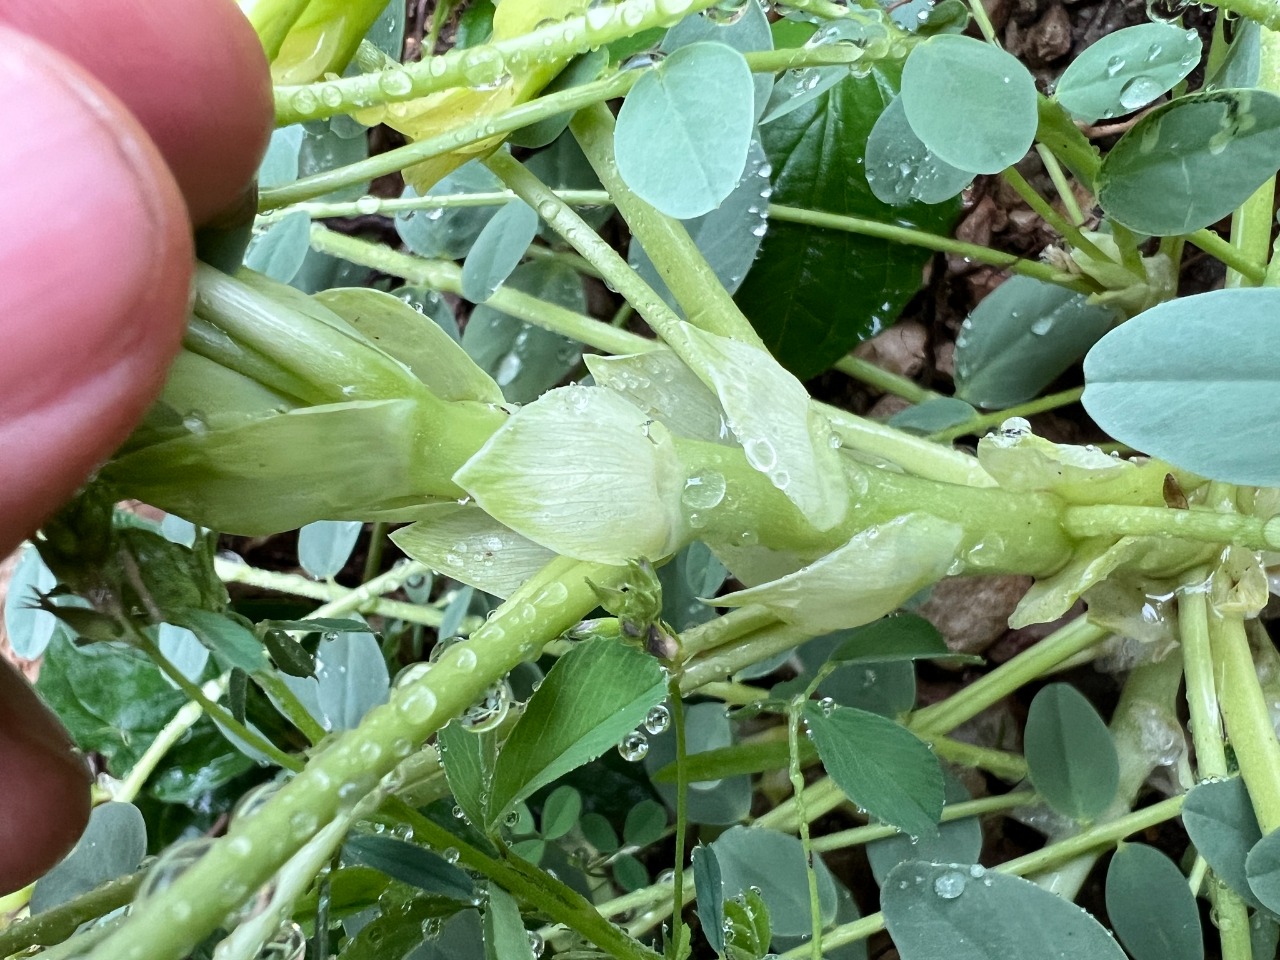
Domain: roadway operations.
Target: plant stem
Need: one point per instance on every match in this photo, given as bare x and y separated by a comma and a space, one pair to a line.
165, 740
1209, 526
858, 836
682, 813
549, 895
796, 776
1061, 184
289, 705
563, 219
232, 572
986, 421
1248, 722
1198, 668
446, 276
215, 712
1266, 12
883, 380
58, 923
1064, 642
1095, 838
704, 299
1216, 247
1231, 917
1058, 132
169, 925
377, 543
1007, 766
1065, 227
461, 68
930, 241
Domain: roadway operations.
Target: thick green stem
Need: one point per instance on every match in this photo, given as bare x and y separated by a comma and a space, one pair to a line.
704, 299
1215, 246
1198, 668
58, 923
1248, 722
1208, 526
169, 925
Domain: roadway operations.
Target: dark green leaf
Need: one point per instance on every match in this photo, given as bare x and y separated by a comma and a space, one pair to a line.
468, 759
904, 636
815, 293
1151, 907
630, 873
1189, 163
646, 823
113, 844
590, 699
393, 933
560, 812
1241, 66
880, 765
710, 891
351, 889
960, 912
749, 934
599, 832
504, 934
1126, 70
411, 864
774, 862
230, 643
1021, 338
1071, 757
998, 122
289, 656
1262, 868
734, 761
1170, 381
932, 415
112, 700
957, 841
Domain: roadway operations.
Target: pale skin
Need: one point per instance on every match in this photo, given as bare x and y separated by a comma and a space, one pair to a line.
127, 123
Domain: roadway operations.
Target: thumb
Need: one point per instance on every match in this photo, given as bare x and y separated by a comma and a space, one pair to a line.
95, 266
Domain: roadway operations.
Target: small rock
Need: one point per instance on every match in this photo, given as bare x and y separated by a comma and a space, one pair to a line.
1049, 38
901, 349
972, 613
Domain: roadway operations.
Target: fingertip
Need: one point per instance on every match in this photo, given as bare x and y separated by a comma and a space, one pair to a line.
93, 287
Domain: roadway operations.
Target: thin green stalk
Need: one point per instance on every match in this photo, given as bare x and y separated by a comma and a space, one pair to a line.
58, 923
730, 657
560, 40
564, 220
215, 712
930, 241
377, 543
351, 600
446, 276
1215, 246
704, 299
733, 625
513, 118
1247, 719
1068, 230
172, 732
169, 925
438, 17
1064, 642
289, 705
1198, 668
1061, 184
796, 776
389, 206
1009, 767
988, 30
1231, 917
1251, 225
536, 887
571, 260
987, 421
883, 380
682, 813
1208, 526
859, 836
1093, 839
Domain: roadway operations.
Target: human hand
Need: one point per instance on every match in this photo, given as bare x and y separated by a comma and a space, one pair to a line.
125, 124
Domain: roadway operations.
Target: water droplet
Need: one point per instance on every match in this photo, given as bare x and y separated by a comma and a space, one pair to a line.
950, 885
417, 704
450, 855
1140, 91
304, 102
977, 870
195, 423
760, 454
827, 705
726, 12
536, 944
395, 83
490, 710
1114, 66
634, 746
703, 490
657, 720
368, 206
331, 96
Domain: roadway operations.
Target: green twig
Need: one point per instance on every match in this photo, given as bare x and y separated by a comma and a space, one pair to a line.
883, 380
58, 923
796, 776
682, 813
858, 836
980, 424
1065, 227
